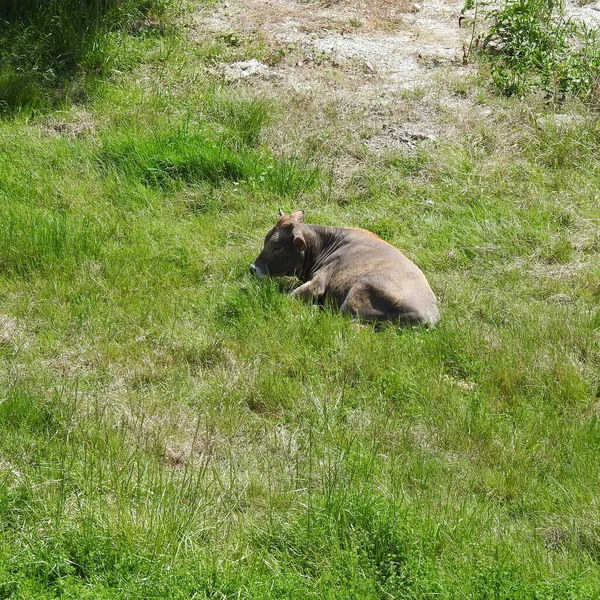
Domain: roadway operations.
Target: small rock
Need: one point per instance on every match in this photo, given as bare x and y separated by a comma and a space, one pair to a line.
248, 68
416, 6
560, 120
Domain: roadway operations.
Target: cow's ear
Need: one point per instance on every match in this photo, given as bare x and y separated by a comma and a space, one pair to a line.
298, 216
299, 242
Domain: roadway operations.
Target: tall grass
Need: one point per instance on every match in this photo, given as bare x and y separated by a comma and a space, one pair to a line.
191, 156
34, 239
48, 46
171, 426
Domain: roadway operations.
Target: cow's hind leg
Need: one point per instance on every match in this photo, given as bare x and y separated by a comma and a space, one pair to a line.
366, 302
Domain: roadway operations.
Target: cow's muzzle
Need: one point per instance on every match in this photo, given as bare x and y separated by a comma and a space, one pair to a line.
258, 272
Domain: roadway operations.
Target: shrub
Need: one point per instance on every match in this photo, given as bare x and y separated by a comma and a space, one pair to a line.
534, 45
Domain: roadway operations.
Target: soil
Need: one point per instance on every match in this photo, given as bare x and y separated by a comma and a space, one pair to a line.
393, 70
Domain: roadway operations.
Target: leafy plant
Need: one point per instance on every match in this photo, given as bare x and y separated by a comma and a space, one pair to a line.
533, 44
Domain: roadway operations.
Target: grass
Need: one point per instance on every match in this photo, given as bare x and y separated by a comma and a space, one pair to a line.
171, 427
57, 51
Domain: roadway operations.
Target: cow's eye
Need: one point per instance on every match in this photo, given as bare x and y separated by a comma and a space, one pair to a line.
277, 248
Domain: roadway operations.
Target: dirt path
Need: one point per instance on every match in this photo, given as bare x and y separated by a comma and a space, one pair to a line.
391, 68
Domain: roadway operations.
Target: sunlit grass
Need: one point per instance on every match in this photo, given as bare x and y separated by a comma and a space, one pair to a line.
171, 427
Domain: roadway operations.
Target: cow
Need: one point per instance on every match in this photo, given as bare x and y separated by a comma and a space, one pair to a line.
354, 269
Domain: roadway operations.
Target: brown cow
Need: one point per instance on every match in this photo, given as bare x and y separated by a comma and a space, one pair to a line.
355, 269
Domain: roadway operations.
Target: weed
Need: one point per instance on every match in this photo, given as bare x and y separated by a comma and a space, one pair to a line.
534, 45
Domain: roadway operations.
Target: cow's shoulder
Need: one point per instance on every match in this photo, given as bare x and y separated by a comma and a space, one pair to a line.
364, 233
369, 238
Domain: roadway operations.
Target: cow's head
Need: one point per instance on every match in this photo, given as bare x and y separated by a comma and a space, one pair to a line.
283, 252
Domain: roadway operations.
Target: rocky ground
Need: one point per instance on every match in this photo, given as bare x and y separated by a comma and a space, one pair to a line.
395, 71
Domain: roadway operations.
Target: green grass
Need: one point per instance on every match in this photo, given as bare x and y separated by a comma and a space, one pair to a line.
171, 427
57, 51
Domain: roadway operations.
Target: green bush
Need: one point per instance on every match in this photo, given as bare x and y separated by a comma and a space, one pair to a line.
534, 45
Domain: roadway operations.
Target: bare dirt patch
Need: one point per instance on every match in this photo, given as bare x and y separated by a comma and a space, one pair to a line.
376, 71
355, 77
377, 46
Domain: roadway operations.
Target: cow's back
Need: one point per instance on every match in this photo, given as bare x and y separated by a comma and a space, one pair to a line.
391, 277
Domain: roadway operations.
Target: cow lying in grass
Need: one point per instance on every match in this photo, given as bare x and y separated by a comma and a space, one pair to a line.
353, 268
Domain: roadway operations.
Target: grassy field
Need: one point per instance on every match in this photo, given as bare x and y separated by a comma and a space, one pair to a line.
171, 427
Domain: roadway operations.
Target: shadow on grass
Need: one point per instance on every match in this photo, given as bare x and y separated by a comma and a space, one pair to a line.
192, 155
55, 50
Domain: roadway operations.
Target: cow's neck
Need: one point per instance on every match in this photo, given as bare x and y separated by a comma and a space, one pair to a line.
321, 243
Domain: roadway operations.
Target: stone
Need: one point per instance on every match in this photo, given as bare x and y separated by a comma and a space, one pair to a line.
248, 68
